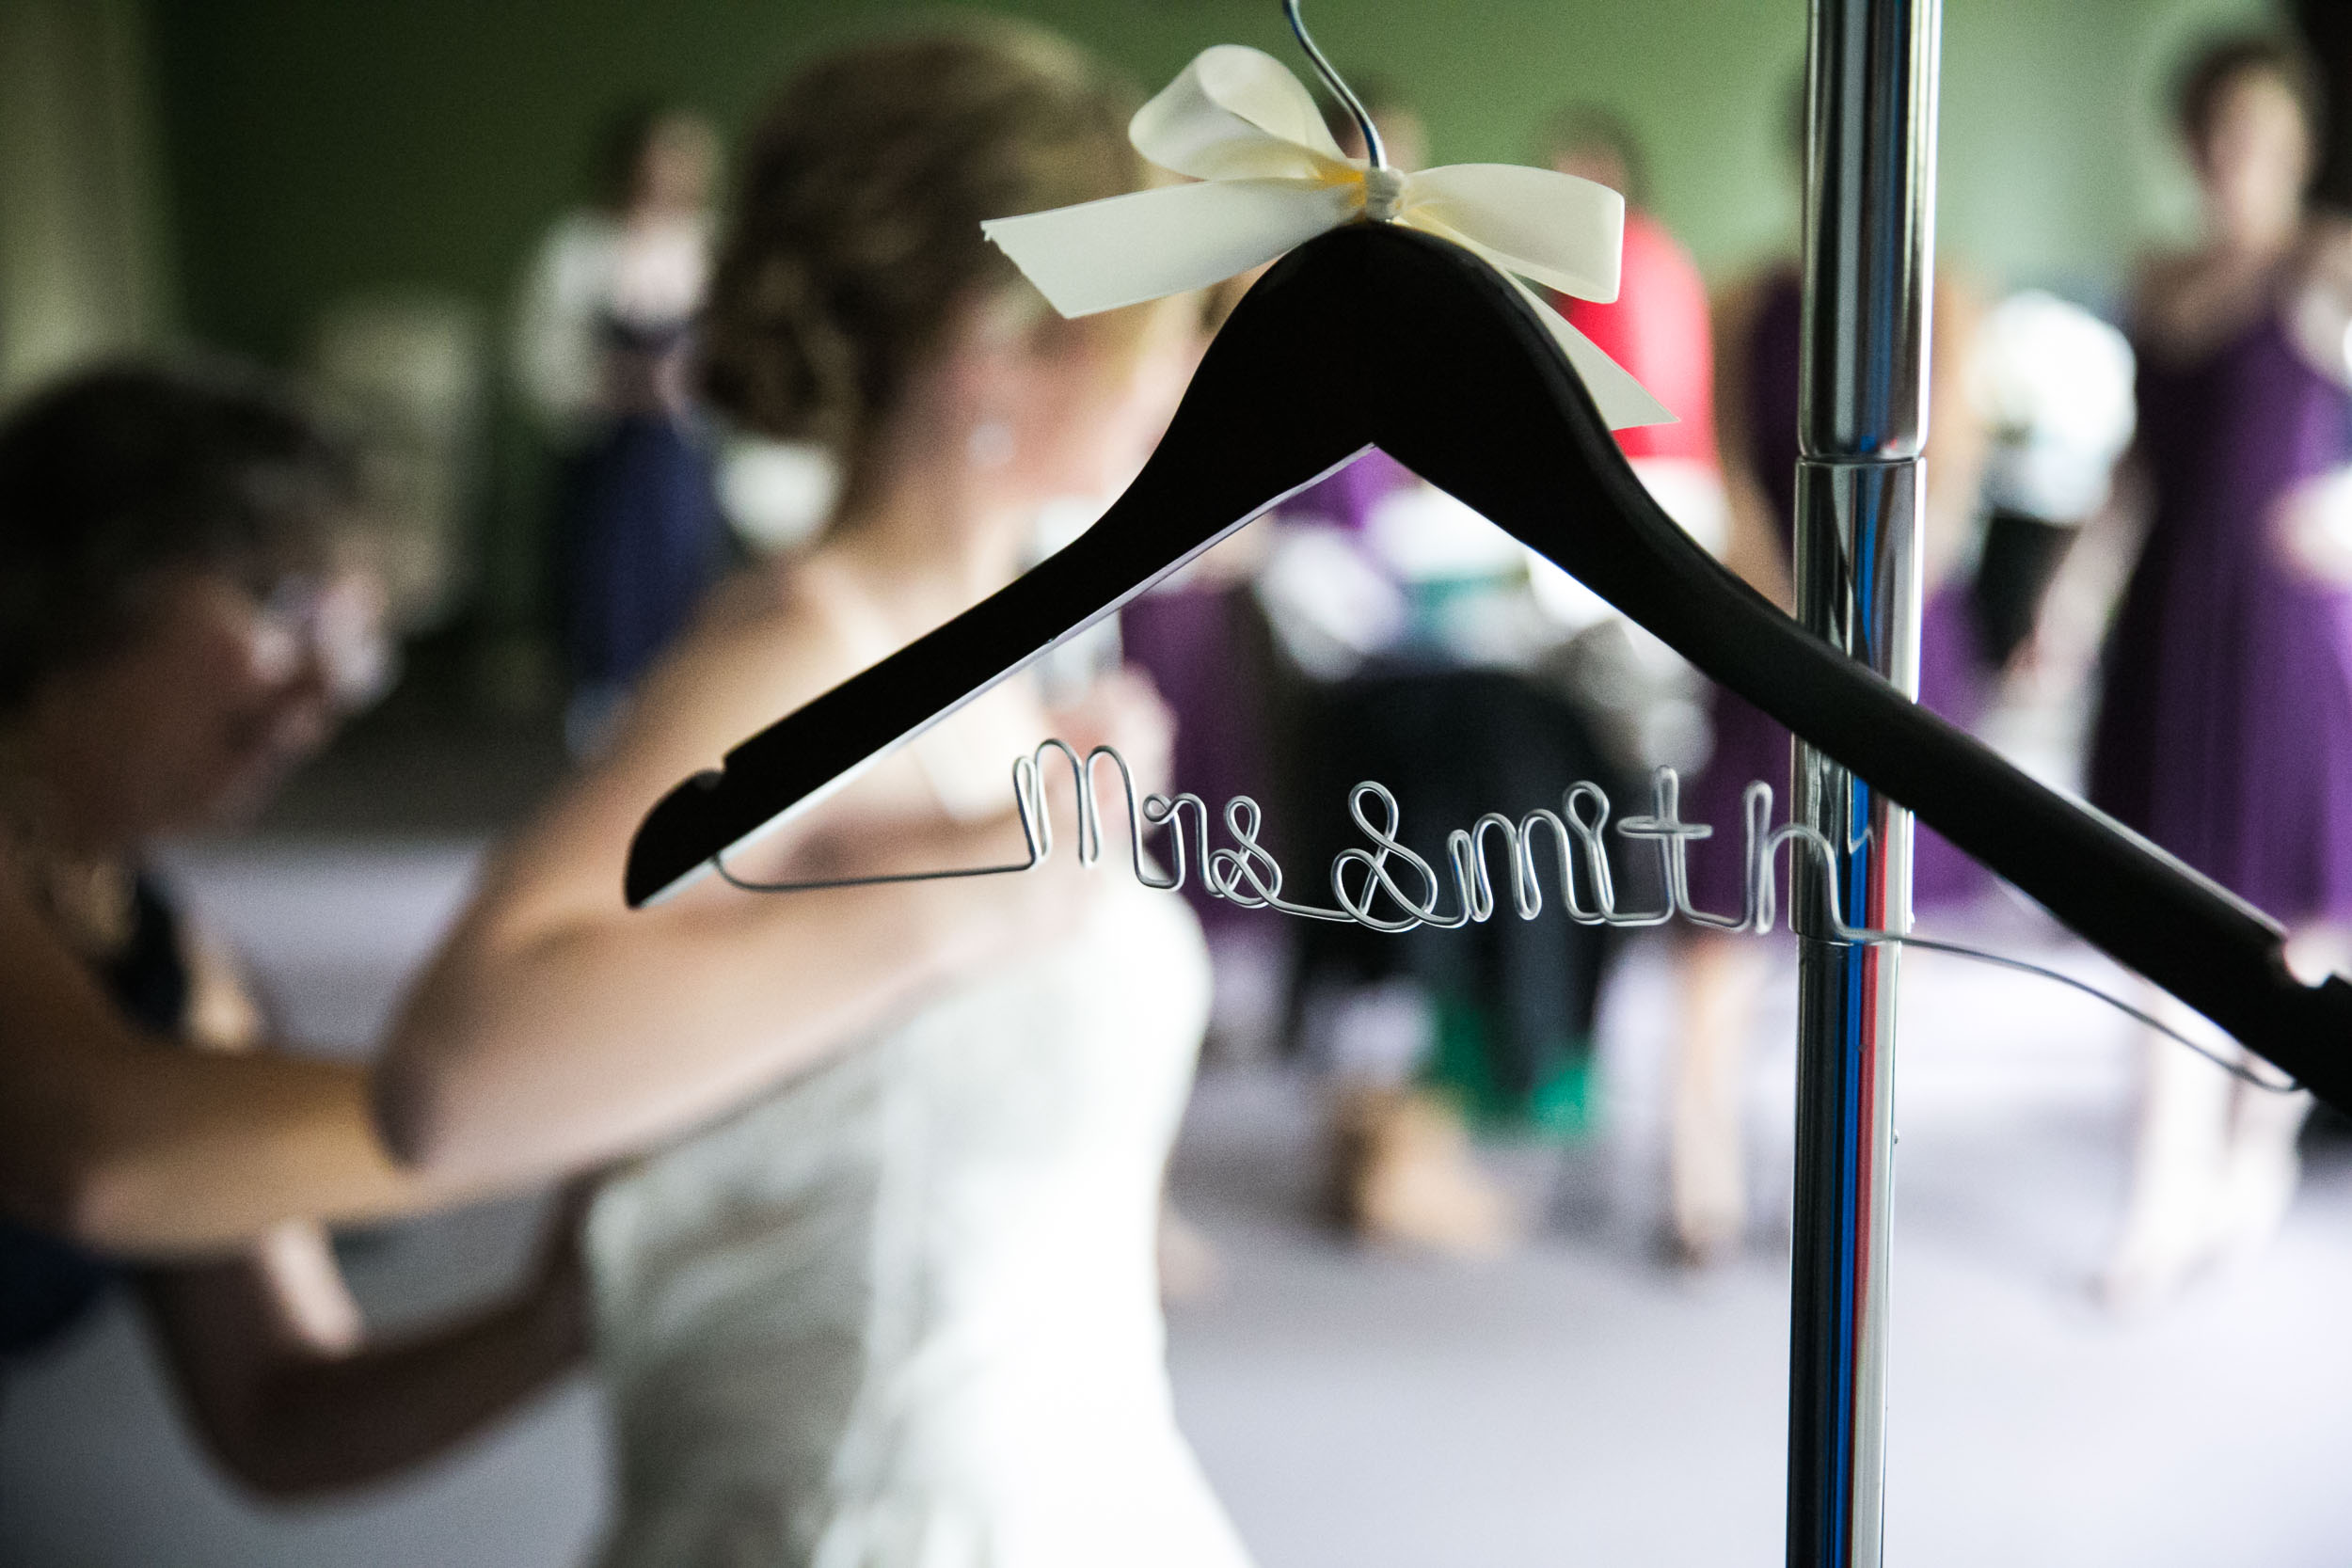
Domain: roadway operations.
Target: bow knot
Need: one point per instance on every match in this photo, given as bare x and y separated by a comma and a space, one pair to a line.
1271, 178
1384, 194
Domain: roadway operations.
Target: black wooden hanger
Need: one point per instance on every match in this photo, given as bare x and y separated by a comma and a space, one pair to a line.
1375, 335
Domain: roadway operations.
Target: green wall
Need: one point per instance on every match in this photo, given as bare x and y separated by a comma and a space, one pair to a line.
319, 147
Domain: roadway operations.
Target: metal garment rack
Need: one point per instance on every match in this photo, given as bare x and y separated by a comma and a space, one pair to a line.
1869, 203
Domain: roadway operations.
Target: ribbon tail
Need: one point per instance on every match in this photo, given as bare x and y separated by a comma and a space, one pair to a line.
1148, 245
1564, 233
1624, 402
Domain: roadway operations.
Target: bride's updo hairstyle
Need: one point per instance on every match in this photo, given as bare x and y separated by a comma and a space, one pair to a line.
855, 246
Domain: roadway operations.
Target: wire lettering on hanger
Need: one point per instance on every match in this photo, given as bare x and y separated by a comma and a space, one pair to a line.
1391, 888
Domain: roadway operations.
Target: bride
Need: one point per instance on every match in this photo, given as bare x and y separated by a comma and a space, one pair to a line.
886, 1294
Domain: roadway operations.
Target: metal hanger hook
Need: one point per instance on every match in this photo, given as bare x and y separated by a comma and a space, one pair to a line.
1374, 152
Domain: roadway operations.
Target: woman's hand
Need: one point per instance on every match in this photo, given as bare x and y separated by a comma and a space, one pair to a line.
293, 1395
556, 1286
2314, 529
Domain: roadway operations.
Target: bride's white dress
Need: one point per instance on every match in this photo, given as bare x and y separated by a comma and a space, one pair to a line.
903, 1313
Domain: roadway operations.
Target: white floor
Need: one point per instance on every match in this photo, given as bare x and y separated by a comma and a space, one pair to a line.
1576, 1403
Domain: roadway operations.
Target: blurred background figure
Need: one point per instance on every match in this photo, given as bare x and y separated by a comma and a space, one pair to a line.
2053, 386
1420, 646
1396, 637
178, 628
1369, 1011
1658, 320
2225, 724
603, 340
1723, 974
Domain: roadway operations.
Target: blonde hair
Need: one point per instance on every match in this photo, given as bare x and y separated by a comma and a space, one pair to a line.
856, 235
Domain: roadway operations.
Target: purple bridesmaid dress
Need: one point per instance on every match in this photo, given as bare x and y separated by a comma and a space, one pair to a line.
1749, 745
2225, 724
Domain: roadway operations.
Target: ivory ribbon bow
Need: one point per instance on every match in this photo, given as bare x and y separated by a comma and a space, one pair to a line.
1272, 178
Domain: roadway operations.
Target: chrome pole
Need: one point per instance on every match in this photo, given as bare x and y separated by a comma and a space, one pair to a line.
1870, 185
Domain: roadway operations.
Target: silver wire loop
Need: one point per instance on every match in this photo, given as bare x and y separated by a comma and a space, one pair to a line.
1389, 888
1374, 153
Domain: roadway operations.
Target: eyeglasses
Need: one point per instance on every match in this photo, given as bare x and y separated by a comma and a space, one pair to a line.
334, 618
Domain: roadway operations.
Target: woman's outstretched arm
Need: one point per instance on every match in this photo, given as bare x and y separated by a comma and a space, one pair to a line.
127, 1143
557, 1029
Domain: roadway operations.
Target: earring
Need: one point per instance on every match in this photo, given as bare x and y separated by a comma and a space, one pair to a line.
990, 445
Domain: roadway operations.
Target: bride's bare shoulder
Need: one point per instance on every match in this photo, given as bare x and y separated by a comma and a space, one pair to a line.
759, 648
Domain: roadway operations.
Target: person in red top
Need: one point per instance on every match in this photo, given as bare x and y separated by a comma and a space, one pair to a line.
1657, 327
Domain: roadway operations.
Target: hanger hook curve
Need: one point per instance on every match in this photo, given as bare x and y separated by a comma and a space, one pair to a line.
1374, 153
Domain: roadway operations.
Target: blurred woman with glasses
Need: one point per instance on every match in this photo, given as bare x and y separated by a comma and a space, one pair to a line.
175, 633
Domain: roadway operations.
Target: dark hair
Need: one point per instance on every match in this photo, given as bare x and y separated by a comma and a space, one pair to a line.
120, 474
2197, 91
1591, 125
857, 238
